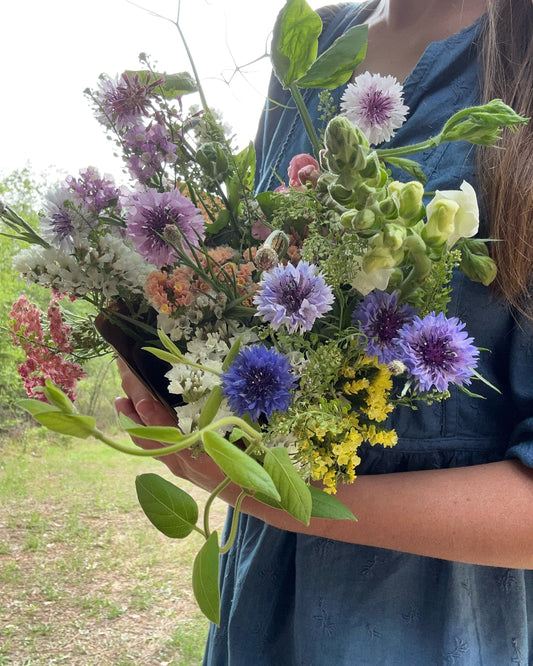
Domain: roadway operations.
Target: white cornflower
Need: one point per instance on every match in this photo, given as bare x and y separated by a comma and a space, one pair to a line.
375, 104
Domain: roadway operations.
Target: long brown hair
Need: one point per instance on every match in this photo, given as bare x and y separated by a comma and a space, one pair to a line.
506, 174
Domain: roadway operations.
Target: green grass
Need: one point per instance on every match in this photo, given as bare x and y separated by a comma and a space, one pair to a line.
85, 578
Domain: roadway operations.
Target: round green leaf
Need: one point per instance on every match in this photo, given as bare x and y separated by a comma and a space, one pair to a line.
171, 510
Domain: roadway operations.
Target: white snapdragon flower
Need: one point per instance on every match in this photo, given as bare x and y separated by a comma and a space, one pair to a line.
464, 222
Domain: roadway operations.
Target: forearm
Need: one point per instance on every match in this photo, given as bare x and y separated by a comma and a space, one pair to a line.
481, 514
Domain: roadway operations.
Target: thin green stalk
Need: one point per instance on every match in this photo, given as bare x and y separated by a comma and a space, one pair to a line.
147, 453
234, 523
306, 119
383, 153
216, 492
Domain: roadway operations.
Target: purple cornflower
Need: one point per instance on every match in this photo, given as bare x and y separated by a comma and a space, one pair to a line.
153, 214
150, 148
438, 352
258, 382
123, 100
375, 104
66, 223
293, 296
95, 192
380, 317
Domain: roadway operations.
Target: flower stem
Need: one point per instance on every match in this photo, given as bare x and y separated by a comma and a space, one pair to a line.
306, 119
216, 492
383, 153
148, 453
234, 523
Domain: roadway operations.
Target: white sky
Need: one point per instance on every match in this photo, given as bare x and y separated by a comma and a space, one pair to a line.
51, 50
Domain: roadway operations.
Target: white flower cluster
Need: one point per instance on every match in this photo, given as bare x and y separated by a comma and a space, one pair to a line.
109, 268
205, 307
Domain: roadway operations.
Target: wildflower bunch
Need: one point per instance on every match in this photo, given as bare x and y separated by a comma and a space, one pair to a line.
291, 323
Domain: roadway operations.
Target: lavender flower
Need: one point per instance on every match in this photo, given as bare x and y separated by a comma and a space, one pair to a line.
380, 317
153, 215
375, 104
258, 382
125, 99
150, 148
95, 192
293, 296
438, 352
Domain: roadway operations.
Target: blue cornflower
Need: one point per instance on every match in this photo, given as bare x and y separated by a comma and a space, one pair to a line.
294, 296
438, 352
380, 318
258, 382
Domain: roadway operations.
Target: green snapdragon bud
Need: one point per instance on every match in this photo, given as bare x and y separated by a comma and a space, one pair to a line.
409, 196
213, 159
346, 150
381, 257
476, 262
358, 220
440, 224
481, 124
394, 235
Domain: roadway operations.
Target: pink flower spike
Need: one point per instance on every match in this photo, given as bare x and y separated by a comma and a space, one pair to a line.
375, 104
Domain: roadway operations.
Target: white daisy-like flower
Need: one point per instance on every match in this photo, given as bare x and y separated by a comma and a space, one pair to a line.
375, 104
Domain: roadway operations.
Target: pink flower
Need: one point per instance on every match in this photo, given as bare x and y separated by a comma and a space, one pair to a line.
303, 169
44, 349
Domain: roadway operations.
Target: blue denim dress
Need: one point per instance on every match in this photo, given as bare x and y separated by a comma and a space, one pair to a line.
296, 600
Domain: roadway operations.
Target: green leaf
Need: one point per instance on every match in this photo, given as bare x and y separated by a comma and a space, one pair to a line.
173, 85
238, 466
294, 41
163, 355
235, 348
74, 425
245, 163
211, 407
171, 510
221, 222
328, 506
294, 492
56, 396
36, 406
181, 83
205, 579
166, 434
335, 66
269, 202
409, 166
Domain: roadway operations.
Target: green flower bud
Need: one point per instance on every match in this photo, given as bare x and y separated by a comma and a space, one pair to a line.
381, 257
476, 262
394, 235
213, 159
481, 124
346, 150
410, 198
358, 220
440, 223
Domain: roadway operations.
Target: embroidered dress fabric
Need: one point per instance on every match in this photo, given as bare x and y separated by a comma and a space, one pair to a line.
304, 601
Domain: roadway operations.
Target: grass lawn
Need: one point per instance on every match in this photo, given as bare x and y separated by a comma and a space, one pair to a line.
84, 577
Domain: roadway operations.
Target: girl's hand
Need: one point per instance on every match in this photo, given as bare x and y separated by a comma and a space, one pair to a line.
141, 407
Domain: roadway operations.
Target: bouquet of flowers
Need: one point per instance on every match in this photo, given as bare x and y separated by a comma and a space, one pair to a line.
282, 327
